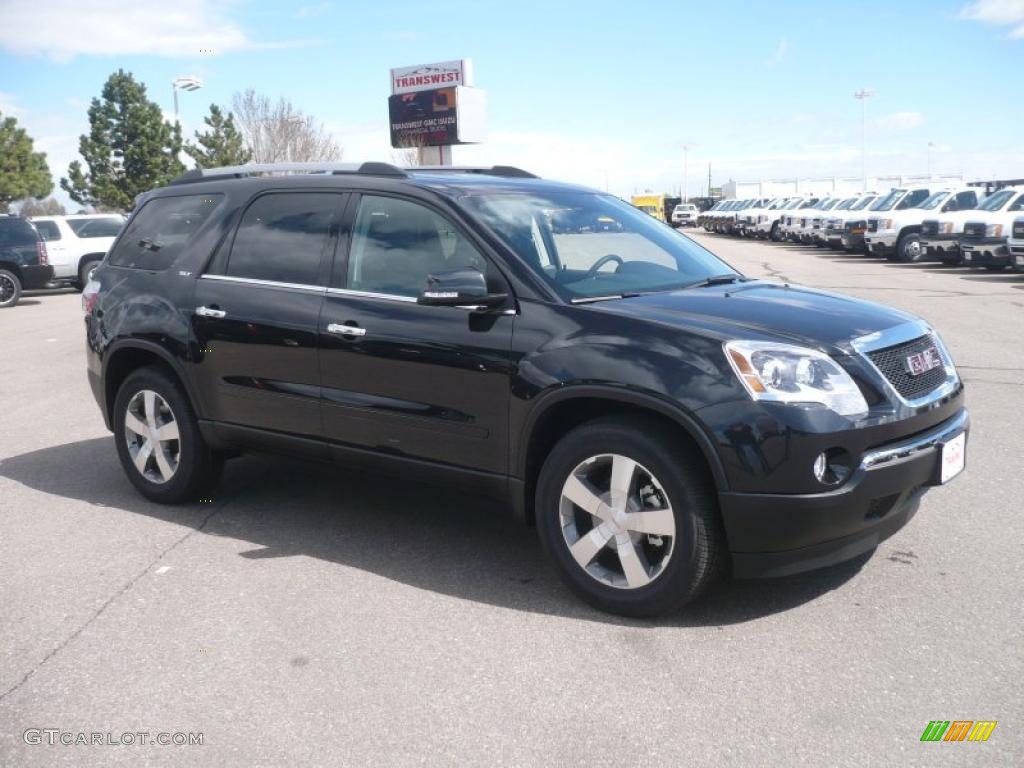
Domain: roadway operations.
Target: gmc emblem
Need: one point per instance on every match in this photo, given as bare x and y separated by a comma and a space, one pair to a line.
923, 361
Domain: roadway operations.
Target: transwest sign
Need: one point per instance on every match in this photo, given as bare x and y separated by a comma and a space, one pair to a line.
427, 77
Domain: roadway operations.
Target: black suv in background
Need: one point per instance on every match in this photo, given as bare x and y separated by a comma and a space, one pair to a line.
659, 417
23, 259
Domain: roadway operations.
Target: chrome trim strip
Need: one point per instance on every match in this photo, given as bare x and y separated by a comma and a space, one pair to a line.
916, 445
901, 334
370, 295
266, 283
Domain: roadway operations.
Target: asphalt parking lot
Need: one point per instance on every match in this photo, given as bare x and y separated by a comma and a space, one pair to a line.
309, 616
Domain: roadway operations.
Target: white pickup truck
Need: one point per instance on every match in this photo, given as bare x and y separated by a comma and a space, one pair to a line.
685, 214
894, 226
834, 226
76, 244
1016, 244
940, 236
984, 242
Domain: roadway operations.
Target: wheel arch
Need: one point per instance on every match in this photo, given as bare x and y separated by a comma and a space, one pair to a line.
14, 269
568, 407
124, 357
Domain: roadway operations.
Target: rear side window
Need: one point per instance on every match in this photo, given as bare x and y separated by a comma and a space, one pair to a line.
48, 230
282, 237
15, 231
109, 227
159, 232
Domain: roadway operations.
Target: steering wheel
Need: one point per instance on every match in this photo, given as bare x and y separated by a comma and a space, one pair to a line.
601, 262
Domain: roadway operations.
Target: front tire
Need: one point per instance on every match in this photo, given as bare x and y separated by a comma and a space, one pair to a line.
10, 289
908, 248
158, 439
628, 515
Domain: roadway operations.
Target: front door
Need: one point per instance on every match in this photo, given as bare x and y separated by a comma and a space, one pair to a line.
423, 382
256, 313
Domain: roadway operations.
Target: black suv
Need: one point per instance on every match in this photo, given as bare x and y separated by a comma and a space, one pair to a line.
23, 259
659, 417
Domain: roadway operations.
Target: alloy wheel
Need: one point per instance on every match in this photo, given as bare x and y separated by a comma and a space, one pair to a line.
617, 522
912, 250
7, 289
151, 432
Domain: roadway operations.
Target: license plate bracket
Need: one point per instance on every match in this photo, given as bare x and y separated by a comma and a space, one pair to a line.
952, 458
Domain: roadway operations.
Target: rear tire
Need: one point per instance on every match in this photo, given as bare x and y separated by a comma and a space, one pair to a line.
158, 439
83, 272
10, 289
668, 559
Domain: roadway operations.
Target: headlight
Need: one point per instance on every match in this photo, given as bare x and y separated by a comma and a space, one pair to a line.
784, 373
886, 224
947, 228
994, 230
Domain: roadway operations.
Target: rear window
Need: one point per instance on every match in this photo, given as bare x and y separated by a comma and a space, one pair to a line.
159, 232
15, 231
108, 227
48, 230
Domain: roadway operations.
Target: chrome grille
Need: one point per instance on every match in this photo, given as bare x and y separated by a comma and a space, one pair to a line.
872, 225
891, 361
974, 229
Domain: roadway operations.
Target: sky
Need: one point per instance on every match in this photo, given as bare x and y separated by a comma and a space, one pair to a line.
616, 95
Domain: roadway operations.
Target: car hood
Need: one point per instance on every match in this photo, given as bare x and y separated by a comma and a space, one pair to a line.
763, 310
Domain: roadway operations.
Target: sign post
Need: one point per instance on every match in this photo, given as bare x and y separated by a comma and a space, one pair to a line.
435, 106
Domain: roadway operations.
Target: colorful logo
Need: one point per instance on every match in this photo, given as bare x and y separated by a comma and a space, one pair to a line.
958, 730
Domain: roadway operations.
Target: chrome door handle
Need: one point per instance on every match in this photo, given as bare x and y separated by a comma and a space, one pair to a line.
345, 330
207, 312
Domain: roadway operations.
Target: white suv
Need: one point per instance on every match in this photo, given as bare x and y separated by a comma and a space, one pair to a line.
984, 239
76, 244
684, 214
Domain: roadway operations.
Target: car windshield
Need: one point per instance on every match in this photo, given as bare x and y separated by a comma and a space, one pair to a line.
864, 203
996, 200
793, 203
845, 205
105, 227
560, 236
934, 201
887, 202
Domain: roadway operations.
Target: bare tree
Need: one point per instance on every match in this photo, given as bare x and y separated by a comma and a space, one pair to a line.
406, 157
276, 133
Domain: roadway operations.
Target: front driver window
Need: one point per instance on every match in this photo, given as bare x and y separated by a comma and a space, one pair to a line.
396, 244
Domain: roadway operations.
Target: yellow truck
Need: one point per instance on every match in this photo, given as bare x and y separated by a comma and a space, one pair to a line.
658, 206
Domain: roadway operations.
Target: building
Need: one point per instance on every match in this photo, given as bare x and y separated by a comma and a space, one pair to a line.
829, 185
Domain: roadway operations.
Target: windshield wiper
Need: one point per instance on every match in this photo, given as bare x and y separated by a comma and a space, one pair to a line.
716, 280
589, 299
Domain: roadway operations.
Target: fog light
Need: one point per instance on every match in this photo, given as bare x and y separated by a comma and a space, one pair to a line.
820, 465
833, 467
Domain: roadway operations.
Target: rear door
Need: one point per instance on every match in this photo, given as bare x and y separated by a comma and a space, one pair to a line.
423, 382
256, 311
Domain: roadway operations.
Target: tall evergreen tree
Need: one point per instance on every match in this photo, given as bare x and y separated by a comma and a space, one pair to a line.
23, 173
130, 148
222, 144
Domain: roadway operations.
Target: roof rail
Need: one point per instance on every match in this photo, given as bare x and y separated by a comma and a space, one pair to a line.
508, 171
252, 169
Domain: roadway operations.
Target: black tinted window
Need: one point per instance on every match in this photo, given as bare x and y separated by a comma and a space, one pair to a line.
15, 231
282, 237
108, 227
1018, 204
48, 230
965, 201
913, 200
397, 244
159, 232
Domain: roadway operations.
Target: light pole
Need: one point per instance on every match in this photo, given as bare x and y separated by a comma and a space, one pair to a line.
686, 152
930, 145
184, 83
862, 96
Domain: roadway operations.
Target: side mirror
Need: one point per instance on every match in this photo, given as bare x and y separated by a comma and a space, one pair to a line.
465, 288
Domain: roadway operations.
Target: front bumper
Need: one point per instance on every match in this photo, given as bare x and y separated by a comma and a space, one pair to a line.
984, 252
942, 247
880, 243
1017, 255
36, 276
778, 534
